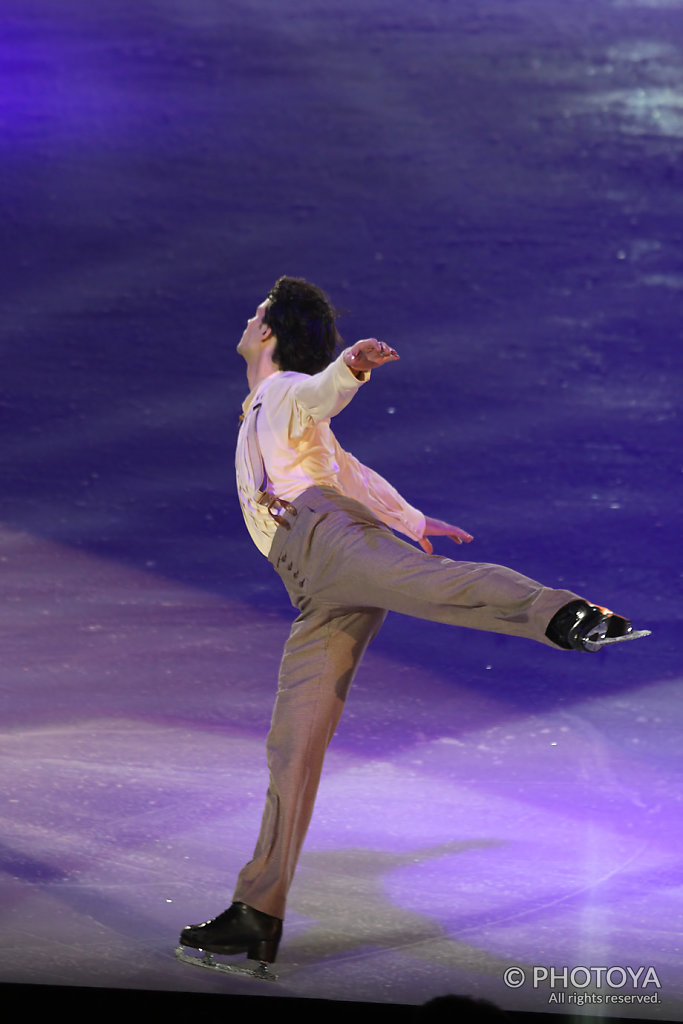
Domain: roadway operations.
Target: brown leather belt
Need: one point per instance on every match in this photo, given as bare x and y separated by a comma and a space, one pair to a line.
277, 508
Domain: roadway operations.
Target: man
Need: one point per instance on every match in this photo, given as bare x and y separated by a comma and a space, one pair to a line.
325, 522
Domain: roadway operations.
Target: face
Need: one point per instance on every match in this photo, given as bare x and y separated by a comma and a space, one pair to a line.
254, 332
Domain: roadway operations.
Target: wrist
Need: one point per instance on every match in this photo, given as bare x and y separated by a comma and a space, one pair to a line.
348, 357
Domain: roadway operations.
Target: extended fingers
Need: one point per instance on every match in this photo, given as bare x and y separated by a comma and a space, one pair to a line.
373, 346
385, 351
461, 537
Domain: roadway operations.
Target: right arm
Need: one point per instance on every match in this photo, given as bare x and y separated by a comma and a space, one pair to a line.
322, 395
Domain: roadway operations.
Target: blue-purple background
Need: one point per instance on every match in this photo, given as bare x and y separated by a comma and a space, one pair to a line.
493, 187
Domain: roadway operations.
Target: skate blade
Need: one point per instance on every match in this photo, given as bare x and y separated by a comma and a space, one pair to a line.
207, 961
635, 634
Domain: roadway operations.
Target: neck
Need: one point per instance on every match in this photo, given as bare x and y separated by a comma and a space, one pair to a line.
260, 369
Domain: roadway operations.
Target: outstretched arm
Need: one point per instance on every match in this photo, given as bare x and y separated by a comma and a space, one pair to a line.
437, 528
324, 394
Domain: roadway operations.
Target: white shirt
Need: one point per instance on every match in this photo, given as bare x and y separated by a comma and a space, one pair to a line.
285, 434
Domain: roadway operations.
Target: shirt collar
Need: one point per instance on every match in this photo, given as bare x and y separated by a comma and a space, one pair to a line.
246, 404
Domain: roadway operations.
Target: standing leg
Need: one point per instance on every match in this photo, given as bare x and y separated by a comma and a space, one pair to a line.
319, 662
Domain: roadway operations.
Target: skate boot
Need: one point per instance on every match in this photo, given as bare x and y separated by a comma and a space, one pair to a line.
580, 626
239, 929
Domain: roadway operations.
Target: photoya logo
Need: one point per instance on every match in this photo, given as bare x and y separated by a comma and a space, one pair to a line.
633, 978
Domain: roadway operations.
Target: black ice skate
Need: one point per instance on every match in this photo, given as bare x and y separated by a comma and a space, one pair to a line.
580, 626
239, 929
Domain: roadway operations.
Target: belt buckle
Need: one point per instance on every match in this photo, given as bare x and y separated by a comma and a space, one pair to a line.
277, 508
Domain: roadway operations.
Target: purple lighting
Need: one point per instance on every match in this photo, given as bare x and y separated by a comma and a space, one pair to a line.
494, 186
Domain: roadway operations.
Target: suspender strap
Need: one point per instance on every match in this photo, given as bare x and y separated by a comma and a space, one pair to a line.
276, 506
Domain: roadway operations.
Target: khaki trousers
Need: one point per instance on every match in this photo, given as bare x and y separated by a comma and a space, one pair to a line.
343, 571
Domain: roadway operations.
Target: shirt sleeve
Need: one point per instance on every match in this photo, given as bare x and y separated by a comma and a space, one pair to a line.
322, 395
381, 497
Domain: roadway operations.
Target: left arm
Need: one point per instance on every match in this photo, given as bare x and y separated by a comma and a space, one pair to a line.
365, 356
361, 358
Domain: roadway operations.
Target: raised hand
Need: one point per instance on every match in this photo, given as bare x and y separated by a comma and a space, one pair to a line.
368, 354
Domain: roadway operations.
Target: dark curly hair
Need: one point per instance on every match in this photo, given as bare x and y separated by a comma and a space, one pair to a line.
303, 320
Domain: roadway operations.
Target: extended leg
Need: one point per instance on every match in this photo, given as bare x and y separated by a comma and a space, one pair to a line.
390, 573
338, 554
